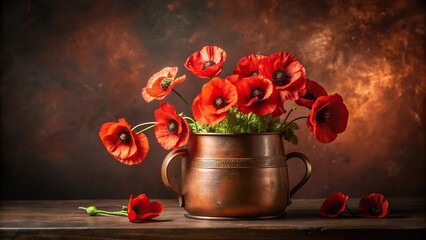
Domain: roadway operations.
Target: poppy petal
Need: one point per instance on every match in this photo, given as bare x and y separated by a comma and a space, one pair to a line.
142, 145
130, 213
249, 65
196, 111
312, 93
146, 96
146, 216
155, 207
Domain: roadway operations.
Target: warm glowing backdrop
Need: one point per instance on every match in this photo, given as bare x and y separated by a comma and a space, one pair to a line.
69, 66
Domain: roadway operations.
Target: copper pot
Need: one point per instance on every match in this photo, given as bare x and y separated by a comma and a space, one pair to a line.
226, 176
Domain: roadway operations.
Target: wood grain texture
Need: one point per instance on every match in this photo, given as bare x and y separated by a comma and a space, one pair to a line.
62, 220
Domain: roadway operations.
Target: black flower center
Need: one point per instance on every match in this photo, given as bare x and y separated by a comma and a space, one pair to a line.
165, 83
281, 77
322, 115
124, 136
220, 102
310, 96
172, 127
253, 73
375, 210
257, 92
208, 64
137, 210
336, 208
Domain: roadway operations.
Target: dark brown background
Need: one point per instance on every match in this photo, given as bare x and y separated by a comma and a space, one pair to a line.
69, 66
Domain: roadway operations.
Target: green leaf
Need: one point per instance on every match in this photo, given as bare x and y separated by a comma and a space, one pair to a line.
288, 133
238, 122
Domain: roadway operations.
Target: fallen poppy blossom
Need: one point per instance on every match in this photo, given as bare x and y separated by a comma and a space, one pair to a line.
334, 205
374, 205
141, 208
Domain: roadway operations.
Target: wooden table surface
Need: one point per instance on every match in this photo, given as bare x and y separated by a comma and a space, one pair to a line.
61, 219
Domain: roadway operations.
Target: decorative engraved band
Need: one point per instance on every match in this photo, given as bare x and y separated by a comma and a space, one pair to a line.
235, 162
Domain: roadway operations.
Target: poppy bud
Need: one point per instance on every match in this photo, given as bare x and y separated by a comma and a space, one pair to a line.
92, 210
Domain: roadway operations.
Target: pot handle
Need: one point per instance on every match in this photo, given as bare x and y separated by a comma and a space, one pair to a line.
164, 172
305, 160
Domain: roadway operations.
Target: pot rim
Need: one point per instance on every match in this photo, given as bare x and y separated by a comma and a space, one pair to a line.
235, 134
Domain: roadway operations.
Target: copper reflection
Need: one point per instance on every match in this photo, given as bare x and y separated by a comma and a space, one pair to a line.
235, 176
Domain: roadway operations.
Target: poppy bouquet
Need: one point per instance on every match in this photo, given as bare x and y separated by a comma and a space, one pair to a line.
251, 100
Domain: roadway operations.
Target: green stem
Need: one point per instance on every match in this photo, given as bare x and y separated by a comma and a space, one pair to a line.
295, 120
248, 120
258, 126
189, 118
143, 124
143, 130
228, 125
106, 213
350, 212
183, 99
95, 211
85, 209
194, 122
288, 115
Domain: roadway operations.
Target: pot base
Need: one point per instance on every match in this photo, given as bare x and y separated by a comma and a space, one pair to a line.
234, 218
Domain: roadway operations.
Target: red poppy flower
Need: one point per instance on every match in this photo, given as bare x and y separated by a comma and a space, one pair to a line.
249, 65
217, 96
328, 117
374, 205
171, 130
196, 111
286, 73
206, 63
313, 91
161, 84
122, 143
257, 95
334, 205
234, 78
141, 208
